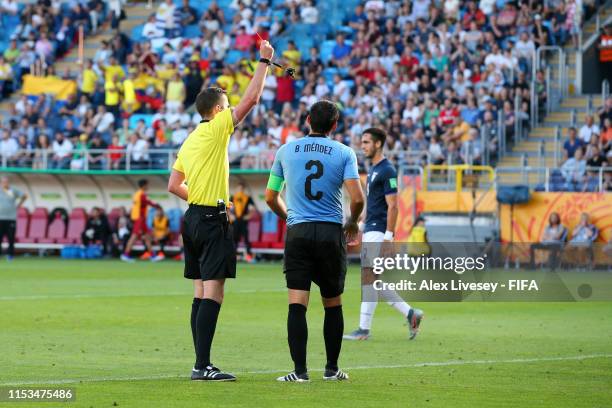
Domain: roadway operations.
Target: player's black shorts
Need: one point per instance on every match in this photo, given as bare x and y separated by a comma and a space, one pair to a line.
210, 252
316, 252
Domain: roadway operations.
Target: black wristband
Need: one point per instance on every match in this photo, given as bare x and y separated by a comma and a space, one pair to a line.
265, 61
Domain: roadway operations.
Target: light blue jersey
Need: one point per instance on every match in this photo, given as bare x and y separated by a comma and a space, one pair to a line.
314, 169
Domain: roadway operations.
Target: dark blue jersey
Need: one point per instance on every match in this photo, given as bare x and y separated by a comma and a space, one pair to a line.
382, 181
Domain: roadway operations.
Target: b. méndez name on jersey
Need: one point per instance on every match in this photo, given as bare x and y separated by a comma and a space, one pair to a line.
314, 169
381, 181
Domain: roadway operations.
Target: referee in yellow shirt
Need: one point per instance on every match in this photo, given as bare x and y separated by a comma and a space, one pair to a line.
200, 176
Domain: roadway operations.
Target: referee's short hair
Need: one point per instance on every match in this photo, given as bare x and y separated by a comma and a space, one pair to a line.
323, 116
378, 135
207, 99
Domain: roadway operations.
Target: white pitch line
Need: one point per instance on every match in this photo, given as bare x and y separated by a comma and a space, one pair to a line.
120, 295
372, 367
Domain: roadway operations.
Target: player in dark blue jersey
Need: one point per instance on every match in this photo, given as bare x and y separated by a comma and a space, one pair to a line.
315, 168
379, 227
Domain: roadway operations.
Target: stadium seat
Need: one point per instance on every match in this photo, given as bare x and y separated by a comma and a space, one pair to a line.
326, 50
23, 222
56, 231
113, 217
282, 232
234, 56
192, 31
148, 120
269, 231
175, 218
254, 227
76, 225
136, 35
38, 226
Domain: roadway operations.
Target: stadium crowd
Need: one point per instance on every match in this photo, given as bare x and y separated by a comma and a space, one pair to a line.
437, 75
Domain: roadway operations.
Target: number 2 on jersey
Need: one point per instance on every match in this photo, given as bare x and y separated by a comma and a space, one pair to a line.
314, 176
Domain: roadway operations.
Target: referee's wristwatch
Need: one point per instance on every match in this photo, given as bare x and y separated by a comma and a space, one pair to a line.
265, 61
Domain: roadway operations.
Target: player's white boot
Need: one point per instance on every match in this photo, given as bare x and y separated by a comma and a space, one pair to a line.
337, 375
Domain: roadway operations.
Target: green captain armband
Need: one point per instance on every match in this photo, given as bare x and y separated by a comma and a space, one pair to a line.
275, 183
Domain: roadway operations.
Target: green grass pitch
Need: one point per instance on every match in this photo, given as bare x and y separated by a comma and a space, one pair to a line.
119, 334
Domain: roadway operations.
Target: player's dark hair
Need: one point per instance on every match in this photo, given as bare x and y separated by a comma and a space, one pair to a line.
207, 99
377, 134
323, 117
142, 183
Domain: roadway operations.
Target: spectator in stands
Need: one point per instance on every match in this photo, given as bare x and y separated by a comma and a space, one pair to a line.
188, 15
581, 242
103, 121
553, 238
6, 78
573, 18
97, 158
572, 144
594, 156
137, 151
62, 149
175, 93
8, 149
23, 157
588, 129
341, 52
97, 230
220, 45
151, 29
471, 149
309, 13
605, 111
42, 146
574, 170
10, 200
116, 154
161, 232
168, 18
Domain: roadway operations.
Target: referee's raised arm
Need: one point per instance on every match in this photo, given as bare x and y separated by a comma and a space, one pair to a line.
254, 90
208, 110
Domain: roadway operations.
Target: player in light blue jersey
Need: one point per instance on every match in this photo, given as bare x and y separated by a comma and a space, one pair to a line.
315, 168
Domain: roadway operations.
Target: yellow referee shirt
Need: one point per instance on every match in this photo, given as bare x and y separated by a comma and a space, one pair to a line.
204, 162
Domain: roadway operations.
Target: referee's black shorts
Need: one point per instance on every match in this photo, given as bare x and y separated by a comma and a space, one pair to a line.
316, 252
210, 252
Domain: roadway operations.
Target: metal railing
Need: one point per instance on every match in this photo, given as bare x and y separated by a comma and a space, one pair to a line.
518, 122
91, 159
158, 159
557, 151
605, 91
535, 105
558, 94
501, 132
594, 179
541, 153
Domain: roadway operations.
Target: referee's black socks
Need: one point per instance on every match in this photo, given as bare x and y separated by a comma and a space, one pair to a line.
333, 327
206, 323
195, 306
297, 334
